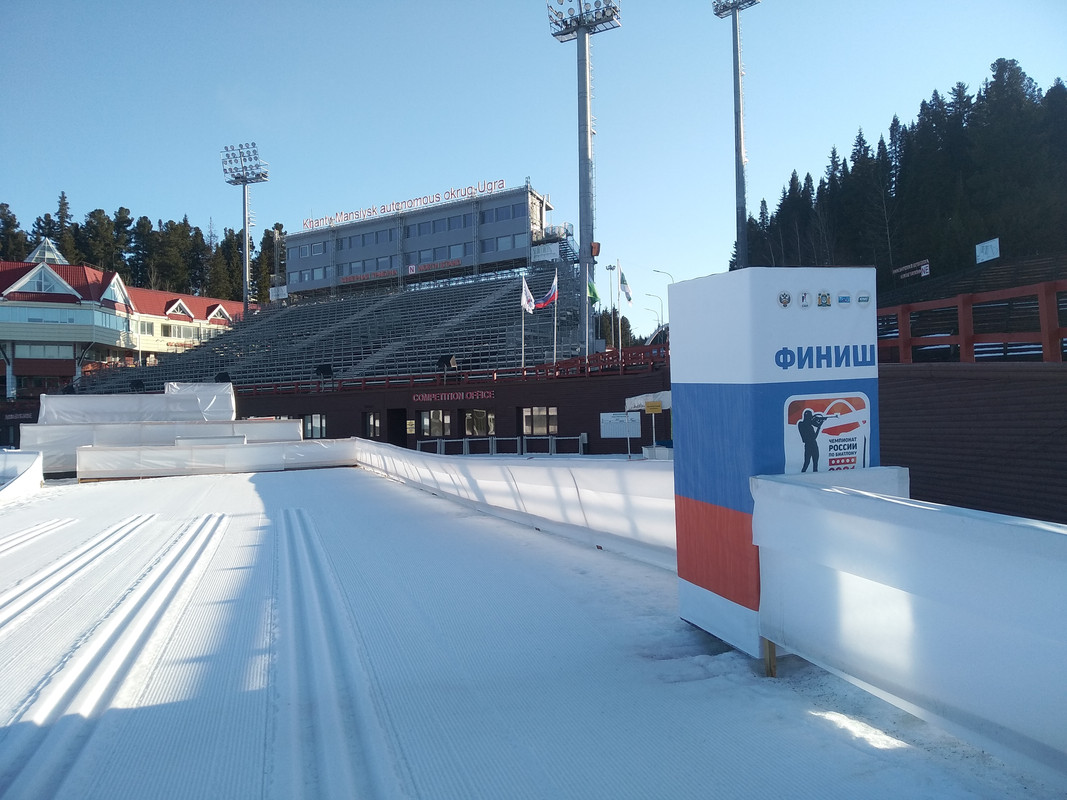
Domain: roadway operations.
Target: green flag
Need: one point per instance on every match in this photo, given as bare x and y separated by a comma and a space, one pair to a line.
591, 293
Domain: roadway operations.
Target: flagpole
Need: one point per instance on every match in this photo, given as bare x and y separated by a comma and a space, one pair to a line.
555, 316
618, 268
522, 335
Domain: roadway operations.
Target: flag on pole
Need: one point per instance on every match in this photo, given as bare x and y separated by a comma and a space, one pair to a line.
591, 293
552, 295
527, 298
625, 287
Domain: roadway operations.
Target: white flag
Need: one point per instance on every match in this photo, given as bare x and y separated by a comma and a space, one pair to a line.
527, 298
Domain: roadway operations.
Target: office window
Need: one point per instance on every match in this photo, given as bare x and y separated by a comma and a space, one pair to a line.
540, 421
503, 213
339, 244
435, 423
521, 240
468, 248
372, 424
468, 219
368, 239
488, 245
148, 328
455, 251
305, 275
440, 225
486, 216
424, 228
425, 256
479, 422
305, 251
456, 222
383, 262
384, 237
318, 248
318, 274
503, 242
409, 231
518, 210
440, 253
314, 426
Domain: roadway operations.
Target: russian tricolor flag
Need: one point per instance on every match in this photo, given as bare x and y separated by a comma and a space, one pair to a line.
552, 295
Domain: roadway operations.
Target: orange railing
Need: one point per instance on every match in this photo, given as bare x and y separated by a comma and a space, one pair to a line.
1024, 323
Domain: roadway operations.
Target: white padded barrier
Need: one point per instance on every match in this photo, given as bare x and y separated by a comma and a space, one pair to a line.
631, 501
59, 443
21, 474
108, 463
958, 616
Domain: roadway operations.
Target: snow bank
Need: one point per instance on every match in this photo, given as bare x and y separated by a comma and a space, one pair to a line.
954, 615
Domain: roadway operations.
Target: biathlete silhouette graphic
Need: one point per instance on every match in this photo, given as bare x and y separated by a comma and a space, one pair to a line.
809, 427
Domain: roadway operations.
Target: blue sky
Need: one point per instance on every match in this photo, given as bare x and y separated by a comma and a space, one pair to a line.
356, 103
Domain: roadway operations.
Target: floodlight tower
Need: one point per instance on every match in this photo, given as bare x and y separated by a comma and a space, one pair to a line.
241, 165
581, 20
733, 9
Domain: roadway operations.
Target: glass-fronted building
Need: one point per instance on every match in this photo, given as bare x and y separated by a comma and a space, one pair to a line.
460, 231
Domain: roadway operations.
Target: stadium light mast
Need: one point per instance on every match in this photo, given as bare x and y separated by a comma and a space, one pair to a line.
242, 166
733, 9
579, 21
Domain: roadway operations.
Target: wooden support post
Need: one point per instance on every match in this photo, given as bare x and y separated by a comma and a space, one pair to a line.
770, 658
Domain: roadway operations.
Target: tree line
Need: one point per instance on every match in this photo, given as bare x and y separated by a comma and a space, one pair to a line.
970, 168
169, 256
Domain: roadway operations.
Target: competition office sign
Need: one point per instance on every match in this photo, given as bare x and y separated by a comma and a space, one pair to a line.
395, 207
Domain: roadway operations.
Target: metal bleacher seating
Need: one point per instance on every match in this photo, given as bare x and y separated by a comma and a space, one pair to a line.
374, 332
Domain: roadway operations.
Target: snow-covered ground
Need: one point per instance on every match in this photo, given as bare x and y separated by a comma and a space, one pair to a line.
331, 633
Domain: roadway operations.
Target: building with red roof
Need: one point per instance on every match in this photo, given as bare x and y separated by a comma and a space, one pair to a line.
59, 320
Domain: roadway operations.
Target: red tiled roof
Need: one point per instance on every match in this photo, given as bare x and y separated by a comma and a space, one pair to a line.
91, 284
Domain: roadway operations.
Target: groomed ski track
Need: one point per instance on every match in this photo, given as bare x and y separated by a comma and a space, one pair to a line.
333, 634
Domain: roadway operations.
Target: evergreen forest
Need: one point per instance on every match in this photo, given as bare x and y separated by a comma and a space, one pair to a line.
969, 168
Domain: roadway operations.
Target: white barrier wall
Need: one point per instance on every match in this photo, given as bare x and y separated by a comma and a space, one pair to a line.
955, 615
59, 443
21, 474
180, 401
108, 463
630, 500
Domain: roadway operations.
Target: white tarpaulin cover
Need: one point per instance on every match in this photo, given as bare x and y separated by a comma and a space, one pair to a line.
216, 399
65, 409
99, 463
638, 403
58, 442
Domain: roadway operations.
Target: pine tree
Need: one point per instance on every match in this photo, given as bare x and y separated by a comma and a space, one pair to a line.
14, 246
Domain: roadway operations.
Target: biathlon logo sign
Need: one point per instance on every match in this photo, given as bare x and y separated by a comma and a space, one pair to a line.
827, 432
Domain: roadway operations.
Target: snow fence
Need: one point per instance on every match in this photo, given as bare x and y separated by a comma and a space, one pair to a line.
630, 501
954, 615
21, 474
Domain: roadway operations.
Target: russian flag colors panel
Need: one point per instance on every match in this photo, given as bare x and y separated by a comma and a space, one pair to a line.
773, 371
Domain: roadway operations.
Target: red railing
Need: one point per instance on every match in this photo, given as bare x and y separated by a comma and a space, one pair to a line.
634, 360
1048, 334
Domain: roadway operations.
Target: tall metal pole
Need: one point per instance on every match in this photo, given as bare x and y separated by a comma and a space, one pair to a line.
244, 243
739, 146
581, 21
585, 173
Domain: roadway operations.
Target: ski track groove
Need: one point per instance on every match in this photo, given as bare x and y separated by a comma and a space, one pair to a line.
19, 538
58, 718
328, 734
39, 586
